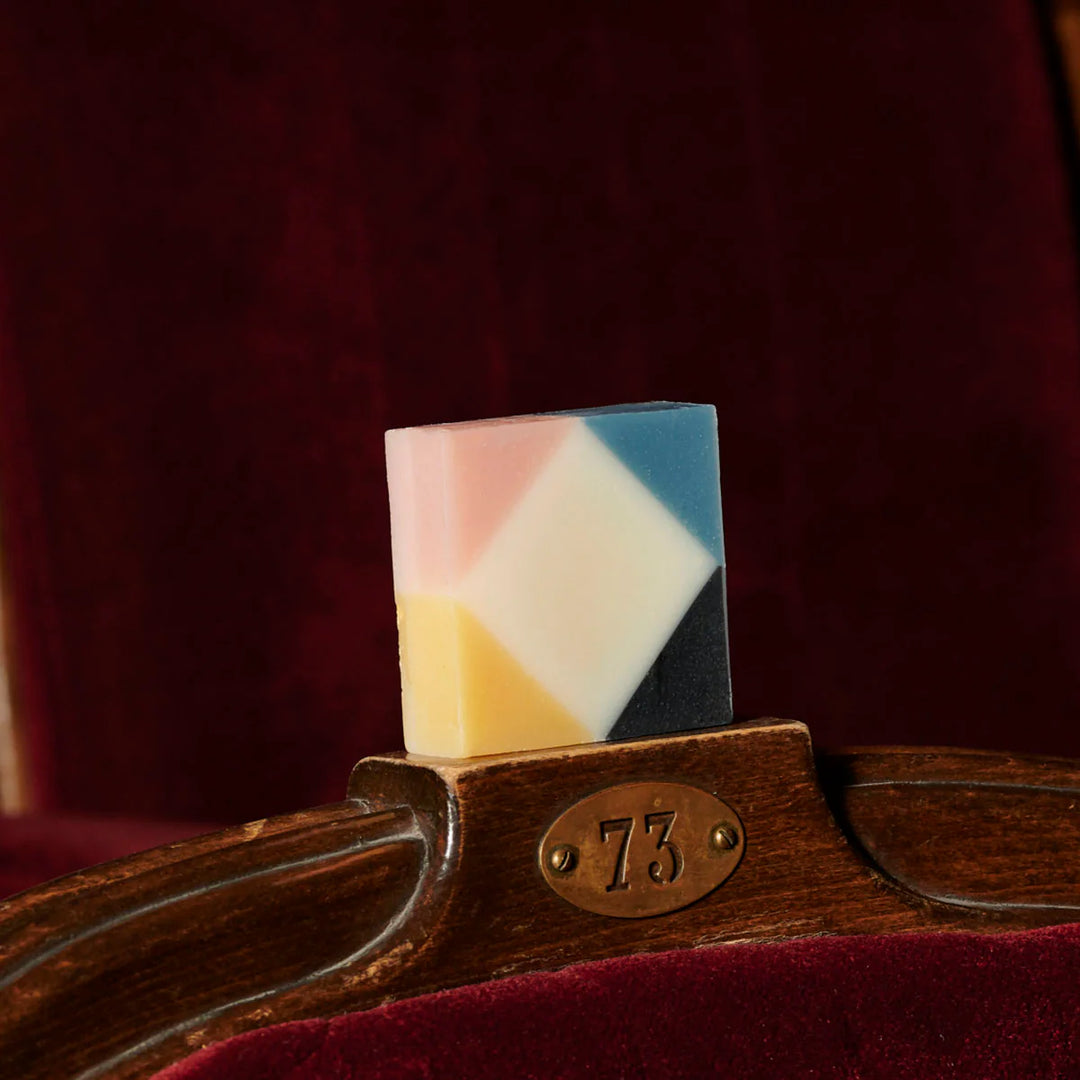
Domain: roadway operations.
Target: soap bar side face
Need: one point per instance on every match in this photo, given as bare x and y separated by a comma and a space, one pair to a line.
559, 578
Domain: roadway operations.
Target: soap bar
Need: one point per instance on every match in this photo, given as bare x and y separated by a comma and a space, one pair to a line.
559, 578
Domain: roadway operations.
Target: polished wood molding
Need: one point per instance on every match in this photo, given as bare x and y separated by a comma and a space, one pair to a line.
990, 831
429, 876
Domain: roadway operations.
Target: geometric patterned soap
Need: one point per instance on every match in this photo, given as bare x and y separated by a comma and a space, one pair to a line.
559, 578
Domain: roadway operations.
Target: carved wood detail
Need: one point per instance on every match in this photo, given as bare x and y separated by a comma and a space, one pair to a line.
428, 877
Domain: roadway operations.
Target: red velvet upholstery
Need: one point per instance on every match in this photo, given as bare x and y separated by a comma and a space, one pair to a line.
876, 1008
239, 239
39, 847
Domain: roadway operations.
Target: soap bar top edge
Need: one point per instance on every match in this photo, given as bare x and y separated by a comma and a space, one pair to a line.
599, 410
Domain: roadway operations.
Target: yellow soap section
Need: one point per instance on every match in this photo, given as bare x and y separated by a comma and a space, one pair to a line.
463, 694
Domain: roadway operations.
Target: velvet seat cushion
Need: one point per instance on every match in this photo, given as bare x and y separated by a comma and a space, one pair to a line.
903, 1007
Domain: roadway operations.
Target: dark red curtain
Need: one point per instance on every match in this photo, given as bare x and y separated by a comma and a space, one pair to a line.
238, 240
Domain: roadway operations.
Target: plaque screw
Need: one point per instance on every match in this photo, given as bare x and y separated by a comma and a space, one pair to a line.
562, 859
723, 837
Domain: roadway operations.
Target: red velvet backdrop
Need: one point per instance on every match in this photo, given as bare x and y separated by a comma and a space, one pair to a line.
240, 239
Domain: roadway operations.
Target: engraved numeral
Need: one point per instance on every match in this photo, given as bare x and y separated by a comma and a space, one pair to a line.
666, 821
626, 827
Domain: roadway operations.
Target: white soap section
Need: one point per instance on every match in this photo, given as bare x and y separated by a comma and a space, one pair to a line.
587, 579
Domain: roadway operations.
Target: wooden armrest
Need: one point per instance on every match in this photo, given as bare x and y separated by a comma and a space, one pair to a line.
994, 832
432, 874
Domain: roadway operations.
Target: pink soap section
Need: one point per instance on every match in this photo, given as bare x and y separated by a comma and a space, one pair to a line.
452, 486
419, 538
493, 465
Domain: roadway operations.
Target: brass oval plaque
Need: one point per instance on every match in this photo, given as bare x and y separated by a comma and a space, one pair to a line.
641, 849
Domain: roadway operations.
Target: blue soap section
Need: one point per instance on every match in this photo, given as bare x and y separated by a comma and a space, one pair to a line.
671, 447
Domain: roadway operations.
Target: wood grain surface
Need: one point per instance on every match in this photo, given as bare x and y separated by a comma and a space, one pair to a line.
427, 877
985, 830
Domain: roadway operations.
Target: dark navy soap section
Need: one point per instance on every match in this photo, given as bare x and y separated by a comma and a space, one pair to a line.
672, 448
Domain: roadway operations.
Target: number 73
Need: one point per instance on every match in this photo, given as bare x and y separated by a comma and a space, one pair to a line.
662, 820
